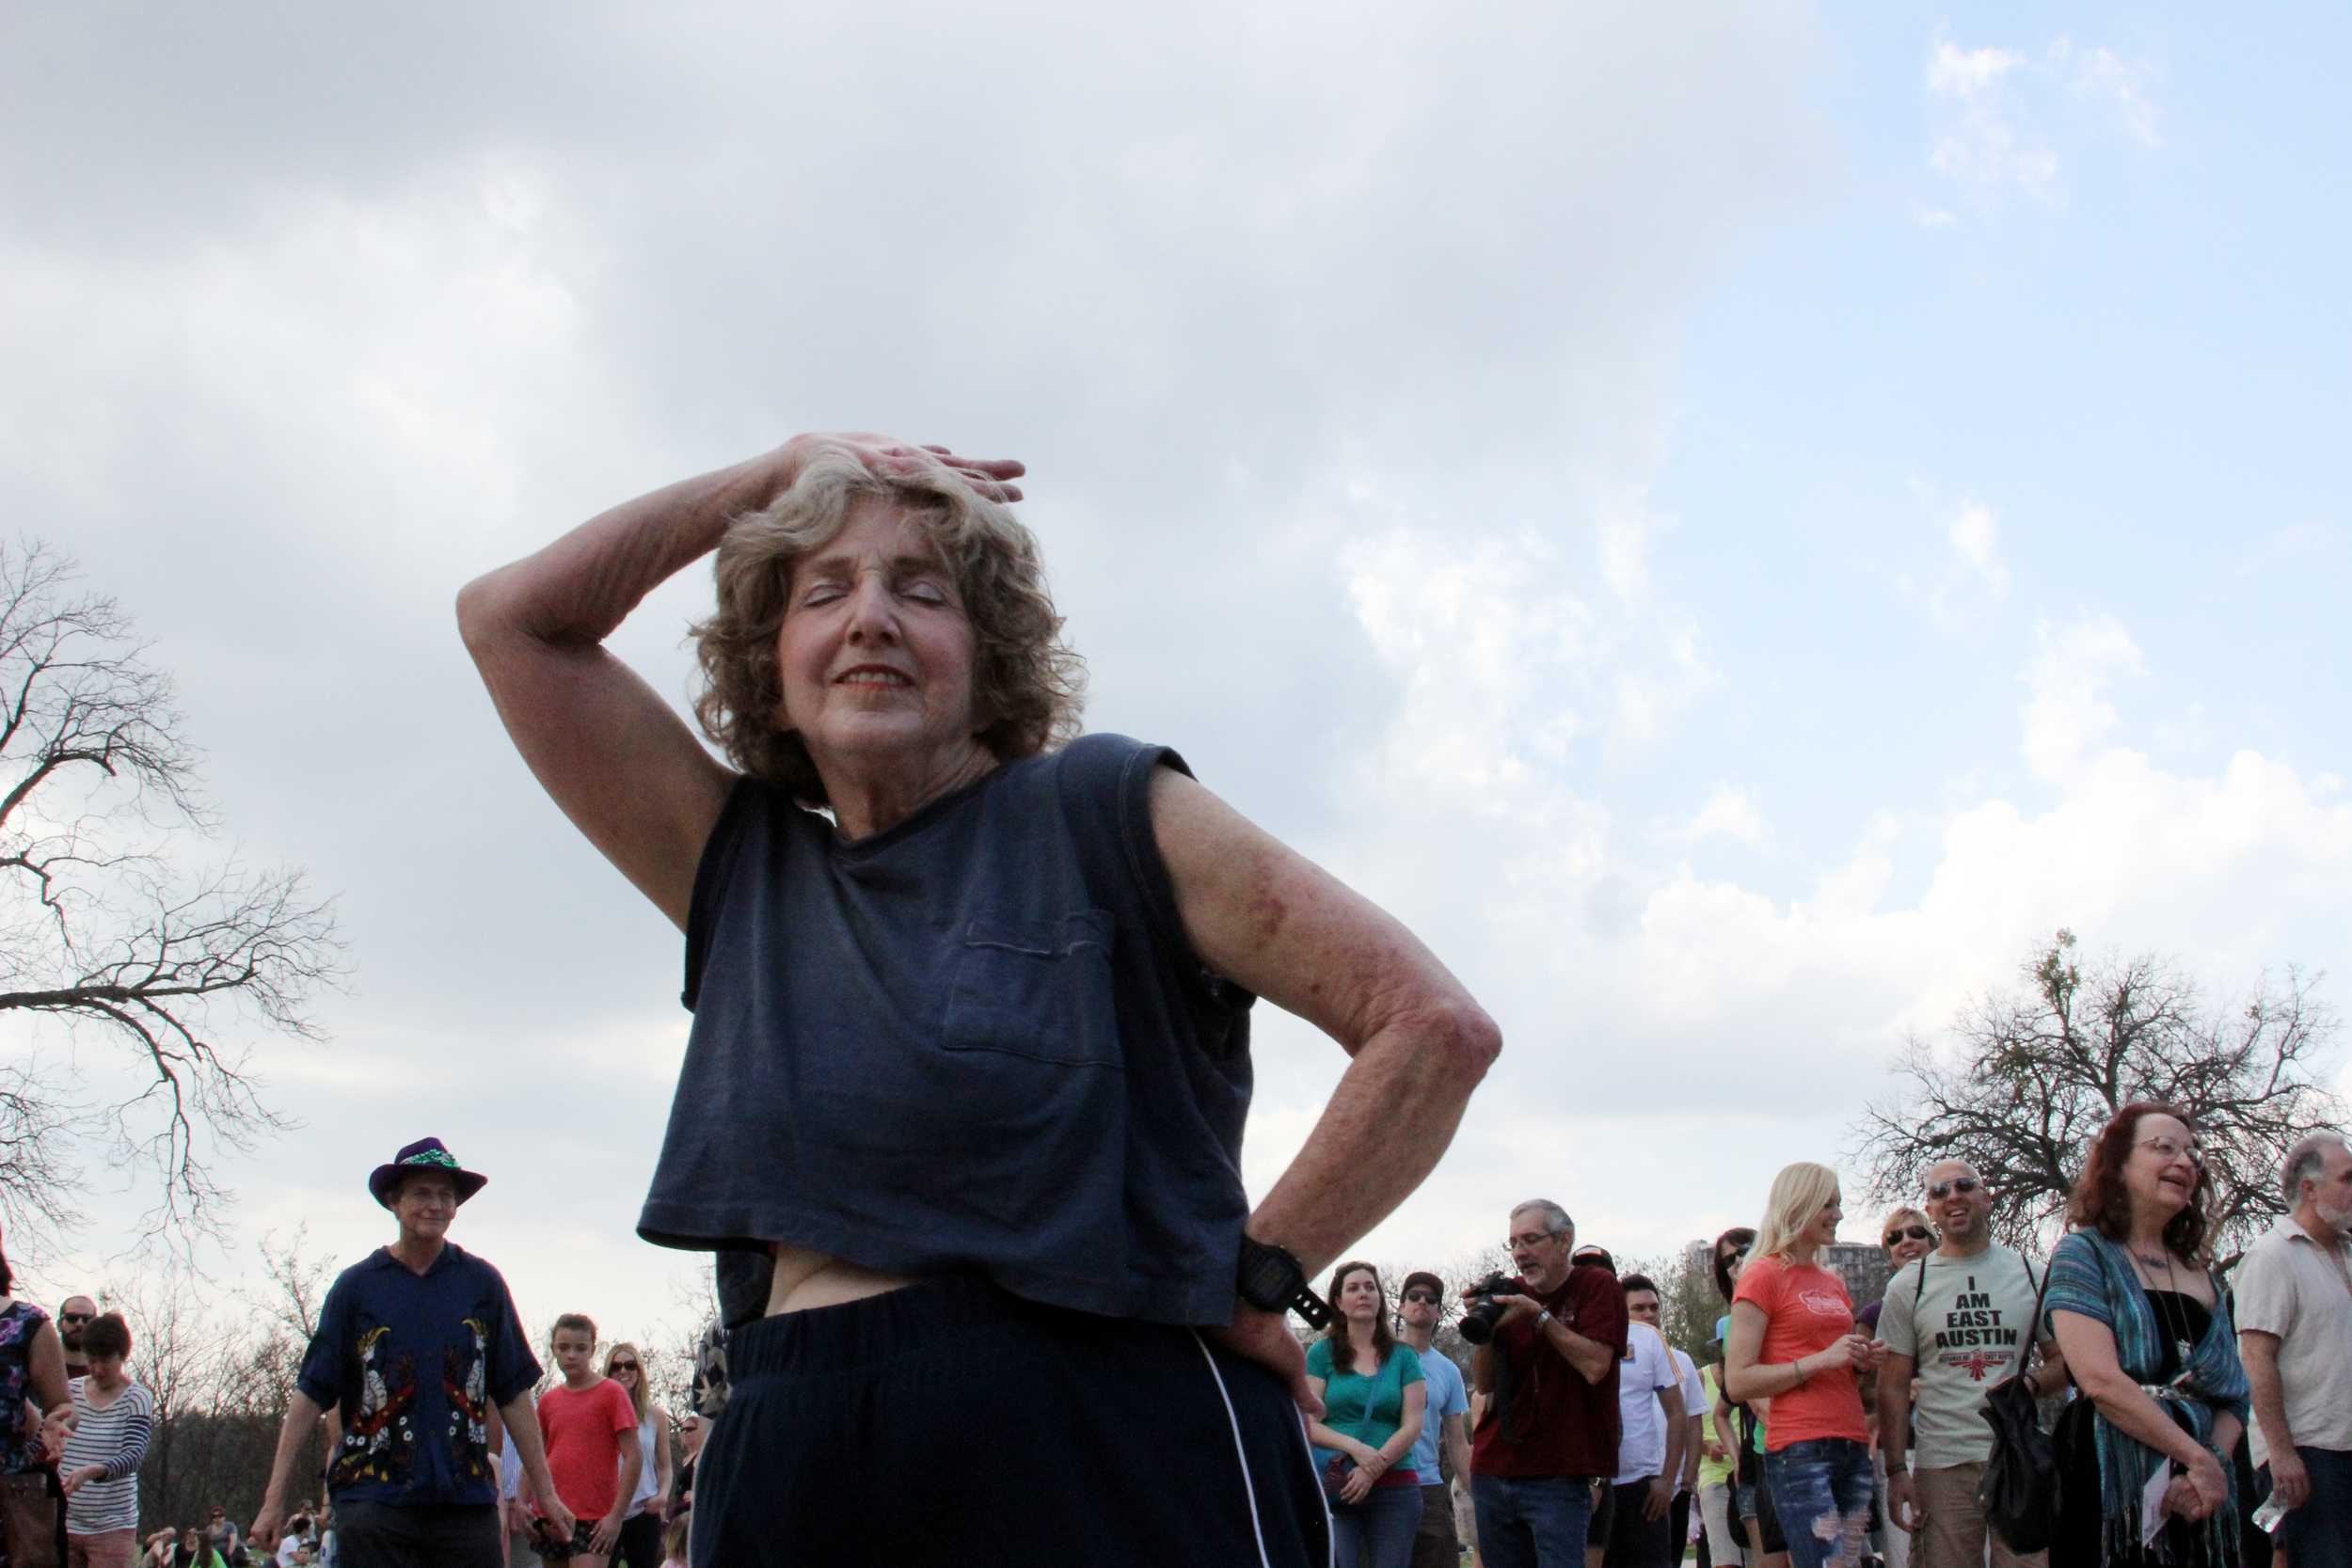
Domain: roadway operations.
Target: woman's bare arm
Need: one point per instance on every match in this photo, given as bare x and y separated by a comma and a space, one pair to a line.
622, 764
1265, 917
45, 1373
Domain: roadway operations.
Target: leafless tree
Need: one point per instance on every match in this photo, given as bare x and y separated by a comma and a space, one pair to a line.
2037, 1071
104, 927
179, 1353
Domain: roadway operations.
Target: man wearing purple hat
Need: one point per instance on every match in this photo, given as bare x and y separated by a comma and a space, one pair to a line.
415, 1345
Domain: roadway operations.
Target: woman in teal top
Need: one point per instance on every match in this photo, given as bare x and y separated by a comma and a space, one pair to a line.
1373, 1402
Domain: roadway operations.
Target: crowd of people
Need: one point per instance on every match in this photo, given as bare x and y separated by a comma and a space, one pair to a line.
2198, 1423
420, 1375
960, 1115
1808, 1434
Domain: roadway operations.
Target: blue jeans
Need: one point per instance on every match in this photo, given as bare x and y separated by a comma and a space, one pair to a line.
1821, 1490
1531, 1521
1378, 1531
2321, 1530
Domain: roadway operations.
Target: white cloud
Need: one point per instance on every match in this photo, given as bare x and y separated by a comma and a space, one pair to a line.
2112, 86
1975, 539
2067, 712
1731, 812
1998, 117
1965, 74
1982, 141
1968, 579
1629, 988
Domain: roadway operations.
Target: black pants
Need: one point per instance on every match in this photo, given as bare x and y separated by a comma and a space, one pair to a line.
952, 1424
1628, 1540
640, 1542
384, 1535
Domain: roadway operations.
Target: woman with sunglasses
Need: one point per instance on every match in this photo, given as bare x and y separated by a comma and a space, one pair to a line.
640, 1528
1905, 1239
691, 1432
1749, 1514
2147, 1338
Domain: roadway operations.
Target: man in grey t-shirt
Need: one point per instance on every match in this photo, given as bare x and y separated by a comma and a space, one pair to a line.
1957, 1323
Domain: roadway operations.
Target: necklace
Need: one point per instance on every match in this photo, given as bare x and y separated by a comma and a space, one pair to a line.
2171, 1315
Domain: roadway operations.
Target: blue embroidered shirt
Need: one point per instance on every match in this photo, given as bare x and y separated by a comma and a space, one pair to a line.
414, 1363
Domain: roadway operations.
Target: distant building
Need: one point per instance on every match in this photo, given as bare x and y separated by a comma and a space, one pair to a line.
1861, 1265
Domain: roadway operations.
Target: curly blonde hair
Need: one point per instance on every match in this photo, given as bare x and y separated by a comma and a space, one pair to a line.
1027, 685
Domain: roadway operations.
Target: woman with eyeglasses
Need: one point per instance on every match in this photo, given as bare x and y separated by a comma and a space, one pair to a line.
1793, 1341
2146, 1336
641, 1528
1374, 1402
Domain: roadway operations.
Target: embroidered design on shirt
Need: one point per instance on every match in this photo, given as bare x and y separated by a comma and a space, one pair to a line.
464, 1383
377, 1443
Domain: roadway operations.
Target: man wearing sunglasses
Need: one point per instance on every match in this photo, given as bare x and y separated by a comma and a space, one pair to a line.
1419, 1304
73, 1317
1957, 1323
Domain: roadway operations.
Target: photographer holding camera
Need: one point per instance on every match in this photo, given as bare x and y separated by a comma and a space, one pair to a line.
1548, 1344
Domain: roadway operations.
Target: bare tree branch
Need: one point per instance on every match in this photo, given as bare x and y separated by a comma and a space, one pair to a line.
106, 932
2035, 1073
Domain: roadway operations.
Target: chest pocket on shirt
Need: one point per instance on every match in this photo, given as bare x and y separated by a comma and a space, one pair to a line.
1040, 988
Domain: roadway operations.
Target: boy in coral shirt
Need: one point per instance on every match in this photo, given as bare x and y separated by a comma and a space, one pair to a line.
592, 1445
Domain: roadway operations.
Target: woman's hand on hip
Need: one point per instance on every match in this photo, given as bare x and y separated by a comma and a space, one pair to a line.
1262, 1337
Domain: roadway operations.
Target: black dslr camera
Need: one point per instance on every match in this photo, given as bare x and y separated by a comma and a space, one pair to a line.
1478, 1324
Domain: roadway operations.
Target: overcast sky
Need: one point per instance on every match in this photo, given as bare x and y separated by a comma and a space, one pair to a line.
1734, 522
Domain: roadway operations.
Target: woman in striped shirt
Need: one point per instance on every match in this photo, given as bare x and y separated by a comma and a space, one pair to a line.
100, 1471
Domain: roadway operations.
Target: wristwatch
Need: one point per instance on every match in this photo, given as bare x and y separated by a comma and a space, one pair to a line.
1270, 1280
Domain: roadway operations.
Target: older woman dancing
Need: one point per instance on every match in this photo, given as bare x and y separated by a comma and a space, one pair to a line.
970, 1052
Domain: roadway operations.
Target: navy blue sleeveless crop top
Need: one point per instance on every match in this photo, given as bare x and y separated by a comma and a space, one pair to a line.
978, 1042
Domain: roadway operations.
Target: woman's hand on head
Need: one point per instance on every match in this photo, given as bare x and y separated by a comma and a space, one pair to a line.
989, 477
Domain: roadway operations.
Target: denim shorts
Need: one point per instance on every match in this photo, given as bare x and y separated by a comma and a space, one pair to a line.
1821, 1489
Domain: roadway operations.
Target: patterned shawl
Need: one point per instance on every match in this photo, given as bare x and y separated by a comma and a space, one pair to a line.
2094, 1276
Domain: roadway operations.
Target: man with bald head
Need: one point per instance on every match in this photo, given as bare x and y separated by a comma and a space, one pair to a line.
1957, 1324
2295, 1335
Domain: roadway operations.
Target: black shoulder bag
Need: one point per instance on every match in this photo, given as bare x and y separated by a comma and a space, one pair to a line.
2019, 1488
